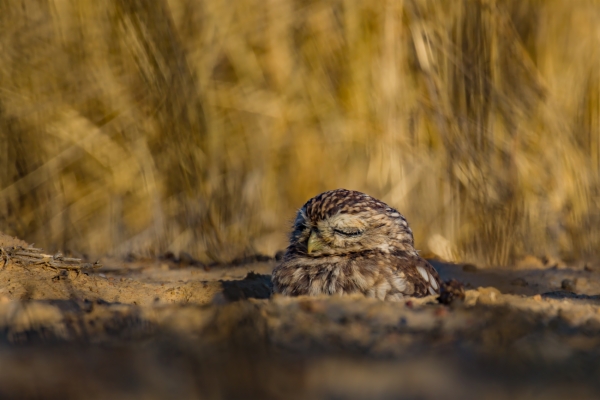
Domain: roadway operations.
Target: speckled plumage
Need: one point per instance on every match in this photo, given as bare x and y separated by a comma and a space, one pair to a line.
346, 242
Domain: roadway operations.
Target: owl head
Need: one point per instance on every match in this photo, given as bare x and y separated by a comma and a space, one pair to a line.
344, 221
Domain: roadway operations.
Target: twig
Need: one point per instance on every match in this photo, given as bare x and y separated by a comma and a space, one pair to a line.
33, 256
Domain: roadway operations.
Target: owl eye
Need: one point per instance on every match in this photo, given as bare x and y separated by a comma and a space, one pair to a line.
348, 232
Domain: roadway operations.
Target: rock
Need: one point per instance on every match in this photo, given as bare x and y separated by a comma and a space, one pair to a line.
488, 295
568, 284
471, 297
519, 282
469, 268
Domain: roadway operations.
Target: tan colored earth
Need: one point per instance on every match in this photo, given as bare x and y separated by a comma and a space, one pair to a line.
172, 328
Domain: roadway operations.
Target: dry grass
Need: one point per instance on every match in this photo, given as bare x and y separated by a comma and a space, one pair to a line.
200, 126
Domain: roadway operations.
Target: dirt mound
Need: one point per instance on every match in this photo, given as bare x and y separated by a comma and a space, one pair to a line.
9, 241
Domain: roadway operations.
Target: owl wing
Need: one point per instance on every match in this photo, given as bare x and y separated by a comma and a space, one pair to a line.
421, 279
425, 277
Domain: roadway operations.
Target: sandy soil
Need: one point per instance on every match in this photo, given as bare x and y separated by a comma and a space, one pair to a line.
172, 328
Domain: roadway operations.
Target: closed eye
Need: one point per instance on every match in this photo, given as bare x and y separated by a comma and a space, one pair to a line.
348, 233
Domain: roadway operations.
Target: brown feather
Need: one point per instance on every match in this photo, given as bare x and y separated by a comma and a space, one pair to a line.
365, 247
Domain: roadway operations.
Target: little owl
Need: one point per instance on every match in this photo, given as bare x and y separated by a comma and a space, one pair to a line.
346, 242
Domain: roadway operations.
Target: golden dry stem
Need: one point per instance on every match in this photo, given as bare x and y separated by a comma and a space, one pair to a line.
200, 126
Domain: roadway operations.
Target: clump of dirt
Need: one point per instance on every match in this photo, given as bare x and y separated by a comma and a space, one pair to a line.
9, 241
162, 329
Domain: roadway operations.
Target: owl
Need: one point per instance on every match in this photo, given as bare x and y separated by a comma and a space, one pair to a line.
346, 242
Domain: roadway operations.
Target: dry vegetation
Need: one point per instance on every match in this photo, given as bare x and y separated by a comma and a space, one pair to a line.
200, 125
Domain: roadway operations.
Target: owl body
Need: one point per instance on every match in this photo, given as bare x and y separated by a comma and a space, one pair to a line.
346, 242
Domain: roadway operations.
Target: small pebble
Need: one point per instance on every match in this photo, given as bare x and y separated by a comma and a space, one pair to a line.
469, 268
568, 284
519, 282
537, 297
471, 297
488, 295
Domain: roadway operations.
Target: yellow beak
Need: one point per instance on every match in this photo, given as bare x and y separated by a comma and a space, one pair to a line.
314, 243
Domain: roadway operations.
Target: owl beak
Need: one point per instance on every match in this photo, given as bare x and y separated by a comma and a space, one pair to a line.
314, 243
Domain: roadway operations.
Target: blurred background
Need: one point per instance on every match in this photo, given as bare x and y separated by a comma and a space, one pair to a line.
129, 126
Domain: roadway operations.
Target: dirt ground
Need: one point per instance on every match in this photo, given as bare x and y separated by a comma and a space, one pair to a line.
172, 328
